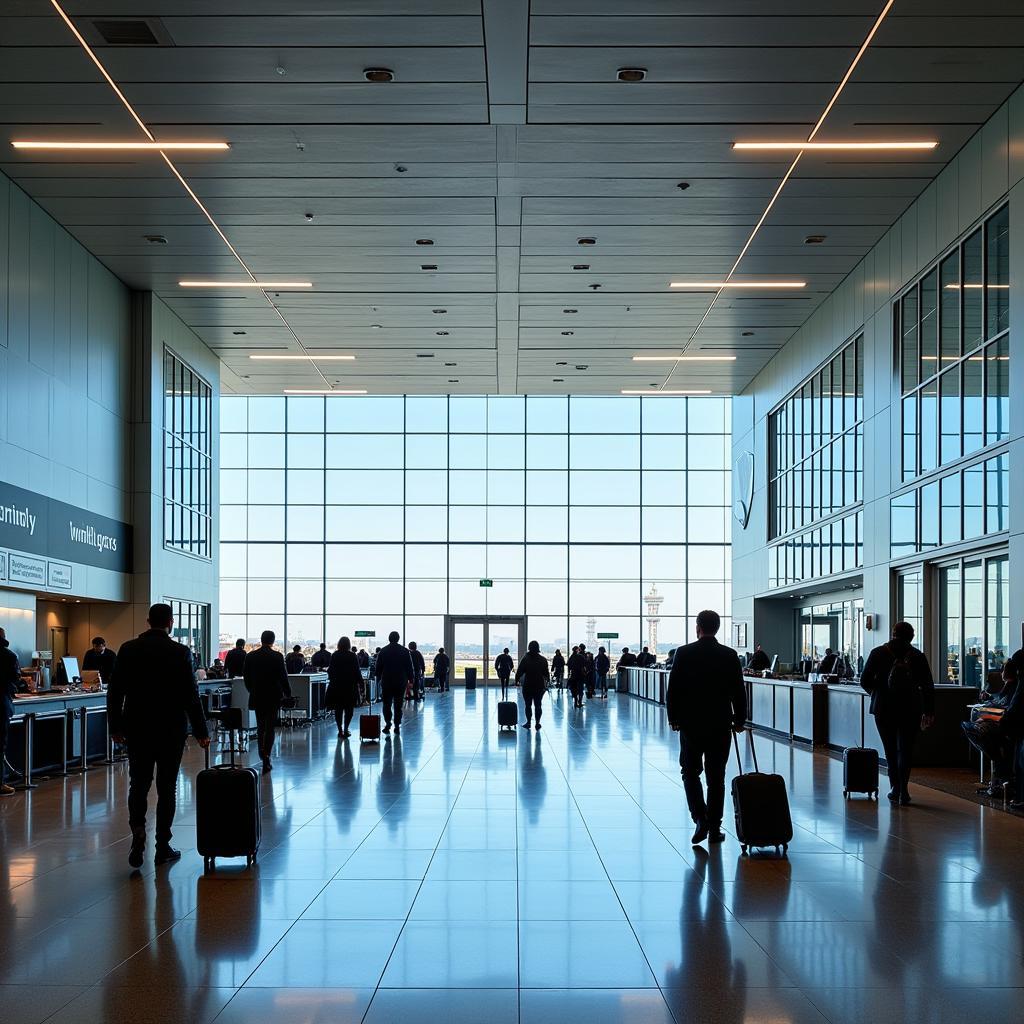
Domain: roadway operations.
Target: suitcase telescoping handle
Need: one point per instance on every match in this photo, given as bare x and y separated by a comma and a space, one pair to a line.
753, 749
231, 748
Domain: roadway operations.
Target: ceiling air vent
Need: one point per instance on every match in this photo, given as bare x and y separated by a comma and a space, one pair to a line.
131, 32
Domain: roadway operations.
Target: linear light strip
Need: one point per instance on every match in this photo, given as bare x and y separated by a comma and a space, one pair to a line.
245, 284
792, 167
174, 170
147, 147
324, 391
684, 359
738, 284
663, 391
840, 146
316, 358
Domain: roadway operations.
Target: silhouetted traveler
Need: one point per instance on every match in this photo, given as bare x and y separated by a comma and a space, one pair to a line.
100, 658
645, 659
395, 672
533, 676
504, 666
234, 660
899, 679
577, 669
706, 700
266, 679
442, 666
589, 672
558, 669
829, 663
152, 700
759, 660
343, 681
364, 658
420, 669
321, 659
10, 680
295, 661
626, 659
602, 664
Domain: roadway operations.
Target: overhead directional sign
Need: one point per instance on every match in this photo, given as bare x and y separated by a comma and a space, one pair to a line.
487, 583
366, 632
607, 636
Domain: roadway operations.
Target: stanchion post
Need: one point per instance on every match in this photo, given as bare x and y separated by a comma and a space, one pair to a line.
29, 720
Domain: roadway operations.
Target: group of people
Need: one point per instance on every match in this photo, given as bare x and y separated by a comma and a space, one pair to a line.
997, 731
587, 673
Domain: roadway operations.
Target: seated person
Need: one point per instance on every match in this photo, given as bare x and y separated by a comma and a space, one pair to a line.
828, 664
759, 660
216, 670
999, 738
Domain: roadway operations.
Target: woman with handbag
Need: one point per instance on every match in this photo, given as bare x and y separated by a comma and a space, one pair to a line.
343, 680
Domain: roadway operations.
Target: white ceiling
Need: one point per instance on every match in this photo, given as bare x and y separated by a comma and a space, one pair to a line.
517, 140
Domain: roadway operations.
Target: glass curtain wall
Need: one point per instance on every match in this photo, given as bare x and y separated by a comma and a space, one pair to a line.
604, 514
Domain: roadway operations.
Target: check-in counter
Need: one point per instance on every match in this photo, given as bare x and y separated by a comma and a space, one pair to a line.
647, 683
56, 727
309, 690
796, 709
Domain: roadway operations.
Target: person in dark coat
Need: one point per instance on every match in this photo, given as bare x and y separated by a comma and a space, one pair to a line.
829, 664
504, 666
394, 672
602, 665
10, 680
234, 660
322, 658
899, 679
420, 667
645, 659
577, 669
295, 661
266, 679
558, 669
100, 658
627, 659
706, 701
344, 679
759, 660
532, 675
152, 700
442, 666
589, 672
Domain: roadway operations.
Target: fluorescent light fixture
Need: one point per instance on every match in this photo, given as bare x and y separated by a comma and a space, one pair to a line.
323, 391
313, 358
705, 285
796, 146
245, 284
956, 287
654, 394
684, 359
143, 147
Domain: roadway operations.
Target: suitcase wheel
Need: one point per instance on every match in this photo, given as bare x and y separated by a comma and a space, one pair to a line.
743, 847
846, 794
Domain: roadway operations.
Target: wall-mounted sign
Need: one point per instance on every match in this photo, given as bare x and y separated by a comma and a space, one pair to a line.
39, 525
58, 575
21, 569
366, 632
3, 565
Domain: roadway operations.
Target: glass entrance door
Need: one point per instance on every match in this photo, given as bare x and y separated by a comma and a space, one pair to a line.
476, 641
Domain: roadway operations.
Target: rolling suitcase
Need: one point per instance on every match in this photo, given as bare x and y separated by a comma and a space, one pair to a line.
860, 771
508, 714
369, 728
227, 811
761, 806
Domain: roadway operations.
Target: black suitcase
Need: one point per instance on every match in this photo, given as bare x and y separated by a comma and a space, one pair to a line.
761, 806
228, 811
508, 714
860, 771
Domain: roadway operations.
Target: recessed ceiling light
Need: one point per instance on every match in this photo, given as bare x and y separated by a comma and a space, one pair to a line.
401, 168
424, 355
379, 75
631, 74
245, 284
791, 146
441, 334
684, 359
707, 285
451, 364
641, 391
814, 239
586, 240
439, 311
142, 147
582, 366
581, 266
747, 334
156, 239
561, 363
424, 241
238, 334
324, 391
557, 380
683, 186
305, 358
570, 310
453, 380
428, 266
568, 334
375, 327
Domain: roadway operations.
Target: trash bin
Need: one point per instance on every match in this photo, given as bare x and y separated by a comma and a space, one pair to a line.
622, 682
470, 678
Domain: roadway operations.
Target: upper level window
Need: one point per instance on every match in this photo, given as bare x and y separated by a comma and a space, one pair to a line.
953, 351
188, 459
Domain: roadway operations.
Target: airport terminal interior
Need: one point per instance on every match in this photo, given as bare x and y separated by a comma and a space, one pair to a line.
535, 332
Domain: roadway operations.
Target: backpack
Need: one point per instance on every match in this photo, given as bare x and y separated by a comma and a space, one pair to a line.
901, 681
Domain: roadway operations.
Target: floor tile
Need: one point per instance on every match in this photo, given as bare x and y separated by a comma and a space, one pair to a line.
32, 1004
108, 1004
600, 1006
357, 899
581, 954
297, 1006
452, 1006
465, 954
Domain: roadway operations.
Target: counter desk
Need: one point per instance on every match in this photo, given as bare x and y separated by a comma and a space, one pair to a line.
49, 731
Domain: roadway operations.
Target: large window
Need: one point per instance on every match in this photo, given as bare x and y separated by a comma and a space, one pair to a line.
973, 619
953, 351
376, 513
188, 459
192, 628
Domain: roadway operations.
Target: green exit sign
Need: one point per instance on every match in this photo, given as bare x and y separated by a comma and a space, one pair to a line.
487, 583
607, 636
366, 632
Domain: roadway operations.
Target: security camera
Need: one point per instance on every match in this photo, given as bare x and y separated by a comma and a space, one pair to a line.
309, 218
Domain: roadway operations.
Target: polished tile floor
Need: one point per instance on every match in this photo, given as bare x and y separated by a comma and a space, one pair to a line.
460, 874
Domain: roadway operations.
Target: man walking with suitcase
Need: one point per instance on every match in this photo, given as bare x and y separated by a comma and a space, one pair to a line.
899, 679
395, 672
503, 667
266, 679
151, 700
706, 701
